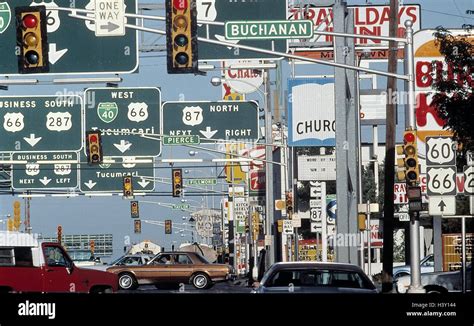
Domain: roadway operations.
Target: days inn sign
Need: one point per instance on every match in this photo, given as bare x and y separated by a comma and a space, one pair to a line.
260, 30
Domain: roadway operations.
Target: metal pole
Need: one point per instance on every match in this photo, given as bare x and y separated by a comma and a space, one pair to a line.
463, 241
415, 286
268, 176
369, 245
324, 225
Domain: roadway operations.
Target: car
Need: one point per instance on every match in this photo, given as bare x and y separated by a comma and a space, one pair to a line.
125, 260
173, 268
426, 265
437, 282
314, 277
28, 265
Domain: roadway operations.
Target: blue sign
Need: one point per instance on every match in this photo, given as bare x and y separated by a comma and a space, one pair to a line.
331, 208
311, 112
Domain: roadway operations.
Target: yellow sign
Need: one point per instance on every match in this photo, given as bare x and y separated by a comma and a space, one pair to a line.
233, 170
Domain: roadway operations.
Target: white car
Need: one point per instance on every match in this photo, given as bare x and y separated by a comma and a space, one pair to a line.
437, 282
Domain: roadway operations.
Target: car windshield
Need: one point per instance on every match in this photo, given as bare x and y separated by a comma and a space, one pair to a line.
318, 278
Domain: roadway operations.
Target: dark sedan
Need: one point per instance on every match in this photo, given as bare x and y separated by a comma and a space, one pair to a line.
313, 277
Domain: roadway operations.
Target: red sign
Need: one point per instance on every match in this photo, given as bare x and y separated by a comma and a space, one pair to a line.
180, 4
257, 180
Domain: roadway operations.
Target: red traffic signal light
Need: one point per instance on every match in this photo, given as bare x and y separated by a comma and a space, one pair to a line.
32, 41
412, 171
181, 36
94, 147
128, 186
177, 181
289, 202
134, 210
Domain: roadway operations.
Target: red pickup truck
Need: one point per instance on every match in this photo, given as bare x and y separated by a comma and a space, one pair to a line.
27, 265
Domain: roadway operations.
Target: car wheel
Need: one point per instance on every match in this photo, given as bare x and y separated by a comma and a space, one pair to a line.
127, 282
200, 281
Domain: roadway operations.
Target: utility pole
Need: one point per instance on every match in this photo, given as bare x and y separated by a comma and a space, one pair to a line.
387, 282
270, 242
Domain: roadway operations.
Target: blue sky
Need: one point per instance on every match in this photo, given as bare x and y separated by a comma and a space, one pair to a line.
112, 215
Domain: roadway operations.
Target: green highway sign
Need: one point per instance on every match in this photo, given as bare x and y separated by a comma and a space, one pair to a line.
223, 11
109, 177
125, 116
181, 207
262, 30
45, 170
225, 120
73, 45
40, 123
181, 140
201, 182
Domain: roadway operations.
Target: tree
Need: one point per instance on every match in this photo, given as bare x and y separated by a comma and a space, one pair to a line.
454, 97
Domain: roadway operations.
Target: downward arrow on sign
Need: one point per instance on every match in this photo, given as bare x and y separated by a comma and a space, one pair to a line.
143, 183
123, 146
90, 184
32, 140
208, 133
45, 181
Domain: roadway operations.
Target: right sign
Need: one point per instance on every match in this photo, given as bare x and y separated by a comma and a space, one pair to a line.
230, 120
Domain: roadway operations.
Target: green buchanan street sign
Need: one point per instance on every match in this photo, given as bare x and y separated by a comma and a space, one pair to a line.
201, 182
261, 30
180, 207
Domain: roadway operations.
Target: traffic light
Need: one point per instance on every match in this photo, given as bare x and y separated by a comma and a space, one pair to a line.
32, 41
137, 226
168, 227
94, 147
412, 171
10, 225
289, 202
134, 211
177, 180
361, 221
92, 247
255, 224
401, 172
128, 187
16, 215
181, 36
60, 233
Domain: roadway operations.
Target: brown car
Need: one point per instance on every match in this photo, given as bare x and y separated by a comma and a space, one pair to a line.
173, 268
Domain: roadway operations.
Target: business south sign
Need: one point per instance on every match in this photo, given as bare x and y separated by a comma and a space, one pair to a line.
311, 111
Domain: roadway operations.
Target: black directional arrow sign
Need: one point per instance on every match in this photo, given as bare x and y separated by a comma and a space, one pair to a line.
441, 206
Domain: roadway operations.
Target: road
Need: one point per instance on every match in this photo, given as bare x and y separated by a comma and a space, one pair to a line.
224, 287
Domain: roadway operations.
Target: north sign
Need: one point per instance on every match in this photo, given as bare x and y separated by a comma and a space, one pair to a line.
73, 45
40, 123
108, 177
230, 120
127, 119
45, 171
224, 11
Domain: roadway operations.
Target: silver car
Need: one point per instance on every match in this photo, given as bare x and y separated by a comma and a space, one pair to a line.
426, 266
437, 282
313, 277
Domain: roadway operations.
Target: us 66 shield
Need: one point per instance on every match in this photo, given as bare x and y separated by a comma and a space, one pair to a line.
441, 181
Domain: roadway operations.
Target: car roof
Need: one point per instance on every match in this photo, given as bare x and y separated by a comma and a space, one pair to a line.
328, 265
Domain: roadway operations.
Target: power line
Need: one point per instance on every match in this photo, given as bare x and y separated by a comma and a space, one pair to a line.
446, 14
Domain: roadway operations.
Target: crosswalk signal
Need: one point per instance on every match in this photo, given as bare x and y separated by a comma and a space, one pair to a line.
94, 147
168, 226
137, 226
128, 187
177, 180
32, 41
16, 215
412, 170
181, 36
134, 211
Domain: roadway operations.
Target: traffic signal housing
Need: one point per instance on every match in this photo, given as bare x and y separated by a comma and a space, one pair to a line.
168, 226
137, 226
401, 171
181, 36
32, 40
128, 187
94, 147
412, 170
134, 210
177, 180
92, 247
16, 215
289, 202
60, 234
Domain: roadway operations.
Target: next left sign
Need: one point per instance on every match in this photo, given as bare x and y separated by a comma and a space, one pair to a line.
41, 123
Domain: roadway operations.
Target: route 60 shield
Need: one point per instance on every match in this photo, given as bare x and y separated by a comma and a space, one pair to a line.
440, 151
192, 115
5, 16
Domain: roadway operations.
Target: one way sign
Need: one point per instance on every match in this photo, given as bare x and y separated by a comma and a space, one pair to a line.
440, 205
109, 18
